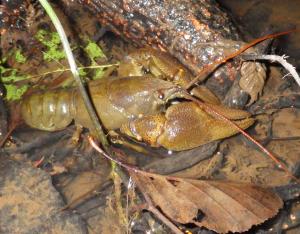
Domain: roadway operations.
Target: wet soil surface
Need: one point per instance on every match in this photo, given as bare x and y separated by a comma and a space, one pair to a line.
30, 204
48, 185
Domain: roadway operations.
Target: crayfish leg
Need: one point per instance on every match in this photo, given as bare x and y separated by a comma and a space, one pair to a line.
76, 135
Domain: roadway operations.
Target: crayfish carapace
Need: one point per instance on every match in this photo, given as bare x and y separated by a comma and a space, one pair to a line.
149, 108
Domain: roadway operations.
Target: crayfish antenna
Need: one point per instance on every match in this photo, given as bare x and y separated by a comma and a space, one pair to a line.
219, 115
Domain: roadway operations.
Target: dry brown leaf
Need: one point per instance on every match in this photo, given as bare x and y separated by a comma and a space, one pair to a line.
253, 76
217, 205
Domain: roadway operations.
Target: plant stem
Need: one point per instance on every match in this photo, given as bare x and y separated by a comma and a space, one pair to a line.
73, 67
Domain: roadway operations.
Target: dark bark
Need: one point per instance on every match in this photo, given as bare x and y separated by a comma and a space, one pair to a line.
195, 32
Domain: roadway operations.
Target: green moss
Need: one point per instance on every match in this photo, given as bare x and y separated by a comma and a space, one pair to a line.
94, 52
20, 58
13, 92
8, 77
82, 72
53, 52
52, 42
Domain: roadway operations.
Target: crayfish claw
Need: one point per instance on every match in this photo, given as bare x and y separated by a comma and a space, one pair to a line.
184, 126
221, 129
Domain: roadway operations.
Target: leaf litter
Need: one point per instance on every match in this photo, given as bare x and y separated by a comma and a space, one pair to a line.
225, 206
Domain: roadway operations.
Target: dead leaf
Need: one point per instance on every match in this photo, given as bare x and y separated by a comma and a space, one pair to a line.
253, 76
217, 205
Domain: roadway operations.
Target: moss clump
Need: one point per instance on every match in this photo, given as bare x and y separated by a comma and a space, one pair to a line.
94, 52
53, 52
20, 58
13, 92
9, 76
51, 41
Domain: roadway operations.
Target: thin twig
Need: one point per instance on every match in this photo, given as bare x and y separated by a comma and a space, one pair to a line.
68, 69
129, 186
118, 198
275, 58
73, 67
161, 216
7, 135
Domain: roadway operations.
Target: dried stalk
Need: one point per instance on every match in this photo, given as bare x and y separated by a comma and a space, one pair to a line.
74, 69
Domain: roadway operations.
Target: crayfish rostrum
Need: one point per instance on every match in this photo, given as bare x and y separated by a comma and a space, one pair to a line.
152, 107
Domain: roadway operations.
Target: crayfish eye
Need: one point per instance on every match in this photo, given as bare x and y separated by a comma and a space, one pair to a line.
146, 70
161, 96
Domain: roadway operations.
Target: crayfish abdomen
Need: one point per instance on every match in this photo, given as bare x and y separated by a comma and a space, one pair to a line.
50, 110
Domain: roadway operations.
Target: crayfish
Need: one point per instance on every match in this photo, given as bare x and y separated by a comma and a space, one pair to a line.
146, 102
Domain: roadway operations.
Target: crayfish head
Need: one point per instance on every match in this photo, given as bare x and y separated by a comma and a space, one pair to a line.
147, 128
164, 95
